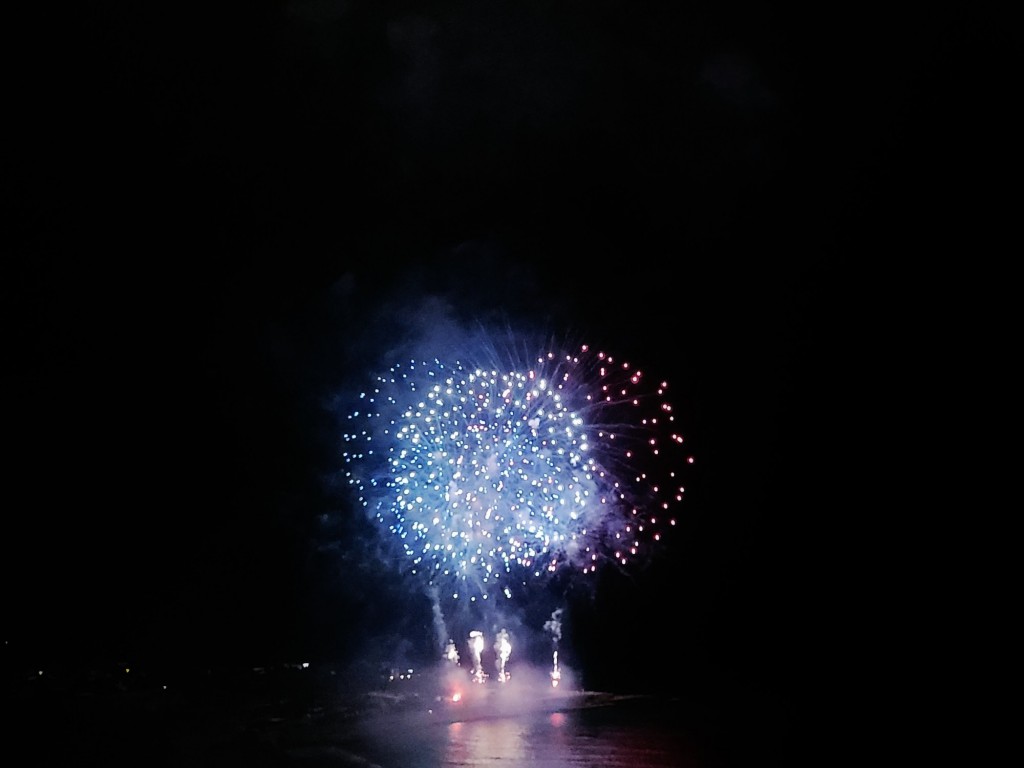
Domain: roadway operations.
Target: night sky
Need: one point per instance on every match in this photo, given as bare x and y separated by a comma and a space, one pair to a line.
216, 221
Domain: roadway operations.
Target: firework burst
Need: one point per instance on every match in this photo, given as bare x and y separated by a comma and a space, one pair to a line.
490, 480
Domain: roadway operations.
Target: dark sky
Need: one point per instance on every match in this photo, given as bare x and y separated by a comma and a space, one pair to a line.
217, 218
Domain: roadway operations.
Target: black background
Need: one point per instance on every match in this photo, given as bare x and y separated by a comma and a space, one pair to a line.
211, 211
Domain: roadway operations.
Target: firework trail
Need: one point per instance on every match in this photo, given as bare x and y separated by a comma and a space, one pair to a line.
554, 627
503, 649
476, 647
490, 480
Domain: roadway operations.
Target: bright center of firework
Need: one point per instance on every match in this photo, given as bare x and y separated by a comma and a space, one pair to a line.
490, 478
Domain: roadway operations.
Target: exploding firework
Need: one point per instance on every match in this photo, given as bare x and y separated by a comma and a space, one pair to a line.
492, 479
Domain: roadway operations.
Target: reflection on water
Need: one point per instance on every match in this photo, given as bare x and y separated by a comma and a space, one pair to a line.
610, 737
500, 728
477, 743
564, 739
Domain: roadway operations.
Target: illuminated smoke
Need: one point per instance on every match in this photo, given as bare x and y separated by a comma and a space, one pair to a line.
451, 653
440, 628
553, 626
